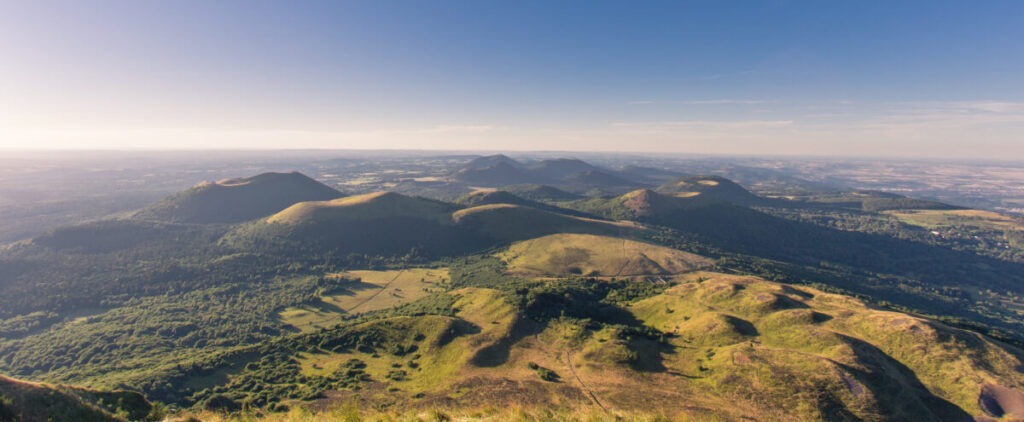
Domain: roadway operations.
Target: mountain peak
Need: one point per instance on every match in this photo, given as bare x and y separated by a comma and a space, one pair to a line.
381, 202
491, 160
643, 201
237, 199
713, 187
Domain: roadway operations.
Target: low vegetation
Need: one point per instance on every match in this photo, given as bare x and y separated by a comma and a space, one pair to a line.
696, 301
597, 256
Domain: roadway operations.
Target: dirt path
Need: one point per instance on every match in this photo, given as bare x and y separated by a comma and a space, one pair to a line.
624, 255
382, 289
568, 360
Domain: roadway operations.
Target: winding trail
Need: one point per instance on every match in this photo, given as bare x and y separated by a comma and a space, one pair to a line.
568, 362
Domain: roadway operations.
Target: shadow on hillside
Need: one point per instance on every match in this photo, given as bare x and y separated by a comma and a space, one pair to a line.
459, 327
744, 230
351, 289
325, 307
742, 326
896, 388
497, 353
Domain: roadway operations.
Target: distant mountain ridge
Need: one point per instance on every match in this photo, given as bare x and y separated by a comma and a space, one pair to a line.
654, 300
568, 174
543, 193
490, 161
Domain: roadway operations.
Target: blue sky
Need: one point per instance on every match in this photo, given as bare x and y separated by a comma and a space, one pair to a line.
887, 78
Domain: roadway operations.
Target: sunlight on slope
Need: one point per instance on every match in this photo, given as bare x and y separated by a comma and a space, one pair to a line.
582, 254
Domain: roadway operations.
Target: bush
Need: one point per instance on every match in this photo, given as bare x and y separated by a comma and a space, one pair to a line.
548, 375
220, 402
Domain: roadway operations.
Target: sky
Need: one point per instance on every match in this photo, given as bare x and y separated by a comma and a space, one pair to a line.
933, 79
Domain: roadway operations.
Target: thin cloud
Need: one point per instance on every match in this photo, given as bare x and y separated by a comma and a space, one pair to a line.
997, 107
700, 102
708, 123
717, 102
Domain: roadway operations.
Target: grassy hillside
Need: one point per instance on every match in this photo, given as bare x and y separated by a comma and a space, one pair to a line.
503, 196
391, 305
596, 256
364, 291
22, 401
596, 181
542, 193
713, 187
560, 168
359, 207
498, 174
491, 160
705, 345
568, 174
237, 200
640, 204
388, 223
887, 265
382, 223
507, 222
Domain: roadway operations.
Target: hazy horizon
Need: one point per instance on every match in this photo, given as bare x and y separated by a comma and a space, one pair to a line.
871, 79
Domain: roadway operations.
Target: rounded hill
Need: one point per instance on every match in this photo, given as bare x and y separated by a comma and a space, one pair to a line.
237, 200
392, 224
359, 207
542, 193
597, 256
381, 223
500, 174
505, 222
709, 187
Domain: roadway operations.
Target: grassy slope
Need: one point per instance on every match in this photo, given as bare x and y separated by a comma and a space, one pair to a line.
565, 254
237, 200
515, 222
382, 223
731, 347
31, 402
541, 193
862, 358
710, 186
390, 224
377, 204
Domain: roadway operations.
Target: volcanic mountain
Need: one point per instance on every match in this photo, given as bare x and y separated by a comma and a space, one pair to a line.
390, 224
709, 187
237, 200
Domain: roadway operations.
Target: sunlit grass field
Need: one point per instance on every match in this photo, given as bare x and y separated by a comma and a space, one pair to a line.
375, 290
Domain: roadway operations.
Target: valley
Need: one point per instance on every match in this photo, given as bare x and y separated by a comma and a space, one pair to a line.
511, 211
571, 288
